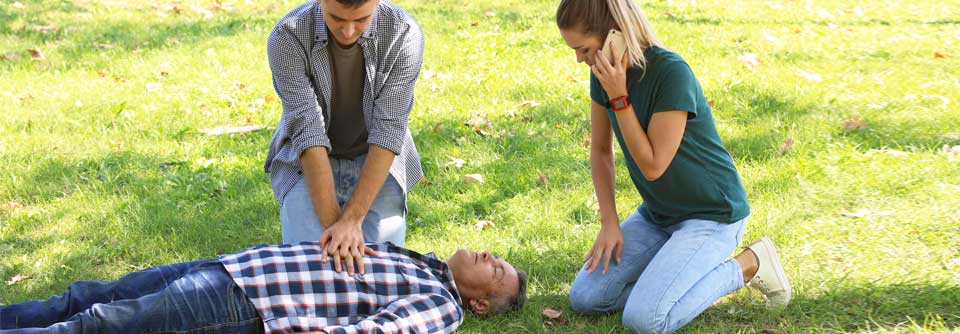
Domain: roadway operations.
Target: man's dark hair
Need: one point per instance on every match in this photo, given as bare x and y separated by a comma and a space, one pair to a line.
353, 3
517, 302
514, 302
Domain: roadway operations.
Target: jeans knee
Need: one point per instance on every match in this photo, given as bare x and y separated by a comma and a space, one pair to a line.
643, 320
589, 300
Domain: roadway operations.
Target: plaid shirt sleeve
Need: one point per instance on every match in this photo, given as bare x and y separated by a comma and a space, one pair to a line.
425, 313
393, 104
301, 119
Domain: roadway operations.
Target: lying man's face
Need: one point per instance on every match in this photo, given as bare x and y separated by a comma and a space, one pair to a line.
487, 284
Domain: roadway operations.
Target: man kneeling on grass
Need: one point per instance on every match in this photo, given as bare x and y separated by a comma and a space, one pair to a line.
283, 289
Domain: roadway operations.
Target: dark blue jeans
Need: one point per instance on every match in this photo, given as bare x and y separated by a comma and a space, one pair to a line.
192, 297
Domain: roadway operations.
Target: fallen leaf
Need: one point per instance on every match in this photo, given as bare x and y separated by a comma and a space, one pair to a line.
11, 206
269, 99
18, 5
941, 55
85, 15
153, 86
528, 104
481, 124
423, 181
787, 146
867, 213
204, 162
586, 142
543, 180
473, 178
17, 278
552, 314
202, 11
483, 224
749, 60
36, 54
228, 129
237, 85
45, 29
11, 56
710, 103
439, 127
457, 162
854, 124
953, 153
810, 76
104, 45
490, 13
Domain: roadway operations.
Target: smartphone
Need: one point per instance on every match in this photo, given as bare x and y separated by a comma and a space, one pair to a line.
615, 40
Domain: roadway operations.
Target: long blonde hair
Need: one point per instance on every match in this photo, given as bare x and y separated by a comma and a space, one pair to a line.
597, 17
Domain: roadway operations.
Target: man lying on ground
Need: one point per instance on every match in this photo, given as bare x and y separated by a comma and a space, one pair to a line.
283, 289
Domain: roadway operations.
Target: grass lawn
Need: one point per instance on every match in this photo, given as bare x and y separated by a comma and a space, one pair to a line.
105, 167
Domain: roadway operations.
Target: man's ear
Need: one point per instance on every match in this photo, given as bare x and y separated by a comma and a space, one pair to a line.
480, 306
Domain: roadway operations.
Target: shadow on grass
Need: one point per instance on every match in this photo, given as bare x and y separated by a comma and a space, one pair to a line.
134, 211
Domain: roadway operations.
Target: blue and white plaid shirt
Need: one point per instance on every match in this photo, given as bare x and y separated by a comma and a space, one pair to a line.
401, 292
300, 62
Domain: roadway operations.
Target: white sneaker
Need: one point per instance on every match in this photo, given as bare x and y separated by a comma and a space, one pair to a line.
770, 278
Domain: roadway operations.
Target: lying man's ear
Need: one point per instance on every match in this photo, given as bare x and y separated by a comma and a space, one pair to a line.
480, 306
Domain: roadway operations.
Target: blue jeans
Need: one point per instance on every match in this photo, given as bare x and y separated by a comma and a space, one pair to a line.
193, 297
667, 275
385, 221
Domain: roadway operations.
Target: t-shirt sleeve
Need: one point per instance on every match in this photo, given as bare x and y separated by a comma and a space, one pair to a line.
597, 94
678, 90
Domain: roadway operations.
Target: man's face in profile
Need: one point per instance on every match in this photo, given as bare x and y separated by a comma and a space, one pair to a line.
347, 23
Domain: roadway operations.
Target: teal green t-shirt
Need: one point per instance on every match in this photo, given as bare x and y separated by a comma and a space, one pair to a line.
701, 181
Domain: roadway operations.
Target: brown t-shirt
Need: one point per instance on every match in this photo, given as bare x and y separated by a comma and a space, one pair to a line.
348, 130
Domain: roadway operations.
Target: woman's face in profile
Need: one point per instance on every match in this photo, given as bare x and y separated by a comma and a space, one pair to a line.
586, 46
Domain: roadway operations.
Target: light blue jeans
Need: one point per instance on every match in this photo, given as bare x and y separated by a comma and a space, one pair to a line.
667, 276
385, 221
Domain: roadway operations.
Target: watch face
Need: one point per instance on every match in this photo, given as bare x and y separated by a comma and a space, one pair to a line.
619, 104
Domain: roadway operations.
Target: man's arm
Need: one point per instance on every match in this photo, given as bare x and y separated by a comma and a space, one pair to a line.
302, 122
415, 314
319, 176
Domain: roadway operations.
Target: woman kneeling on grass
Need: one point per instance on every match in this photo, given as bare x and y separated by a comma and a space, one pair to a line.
670, 256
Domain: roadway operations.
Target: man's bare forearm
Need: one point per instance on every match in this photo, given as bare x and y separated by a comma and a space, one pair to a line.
319, 177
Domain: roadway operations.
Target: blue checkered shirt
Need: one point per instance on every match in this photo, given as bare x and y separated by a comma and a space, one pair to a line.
300, 62
401, 292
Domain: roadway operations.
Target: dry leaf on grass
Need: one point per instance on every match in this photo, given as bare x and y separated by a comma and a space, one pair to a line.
36, 54
231, 129
810, 76
543, 180
787, 146
18, 5
854, 124
941, 55
866, 213
11, 56
952, 152
18, 278
456, 162
473, 178
749, 60
552, 314
483, 224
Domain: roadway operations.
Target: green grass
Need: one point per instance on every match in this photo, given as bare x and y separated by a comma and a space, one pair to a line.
105, 169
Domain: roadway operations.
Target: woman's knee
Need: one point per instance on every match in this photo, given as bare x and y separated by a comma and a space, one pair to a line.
589, 297
643, 318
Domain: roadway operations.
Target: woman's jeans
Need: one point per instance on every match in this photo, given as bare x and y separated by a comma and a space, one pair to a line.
193, 297
385, 221
667, 275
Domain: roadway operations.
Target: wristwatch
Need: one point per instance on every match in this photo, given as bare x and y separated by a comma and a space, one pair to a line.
619, 103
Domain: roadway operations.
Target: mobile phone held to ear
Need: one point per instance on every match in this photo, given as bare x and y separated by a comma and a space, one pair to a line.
615, 40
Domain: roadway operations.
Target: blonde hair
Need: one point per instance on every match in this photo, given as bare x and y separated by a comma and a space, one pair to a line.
597, 17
